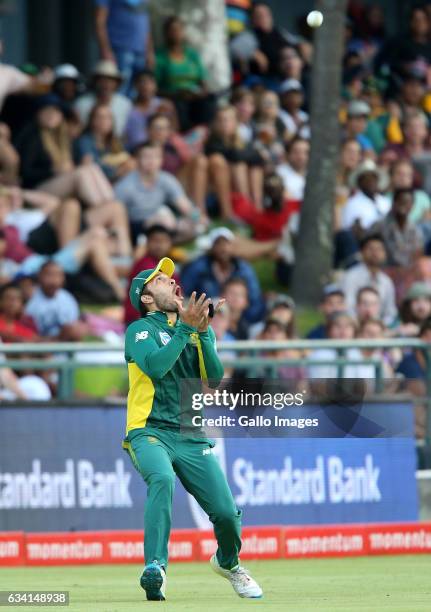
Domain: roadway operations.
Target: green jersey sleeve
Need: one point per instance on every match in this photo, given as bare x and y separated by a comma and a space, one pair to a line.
213, 366
154, 360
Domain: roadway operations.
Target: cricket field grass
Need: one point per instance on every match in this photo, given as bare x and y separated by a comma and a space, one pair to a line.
396, 584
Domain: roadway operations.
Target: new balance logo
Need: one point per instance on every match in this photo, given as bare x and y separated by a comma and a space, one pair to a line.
141, 335
206, 451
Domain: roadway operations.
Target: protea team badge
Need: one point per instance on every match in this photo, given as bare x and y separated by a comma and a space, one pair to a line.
164, 337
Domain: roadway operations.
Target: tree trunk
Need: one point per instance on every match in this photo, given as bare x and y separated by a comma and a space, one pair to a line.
314, 247
205, 23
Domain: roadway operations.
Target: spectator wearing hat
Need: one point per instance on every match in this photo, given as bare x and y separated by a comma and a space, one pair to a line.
123, 32
294, 118
181, 77
208, 273
105, 85
293, 170
66, 83
367, 205
150, 194
368, 273
332, 301
146, 104
358, 113
45, 150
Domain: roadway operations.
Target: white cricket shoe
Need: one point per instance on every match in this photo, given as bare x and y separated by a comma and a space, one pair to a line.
241, 581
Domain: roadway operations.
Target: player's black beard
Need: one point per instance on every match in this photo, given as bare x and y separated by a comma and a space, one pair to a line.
166, 305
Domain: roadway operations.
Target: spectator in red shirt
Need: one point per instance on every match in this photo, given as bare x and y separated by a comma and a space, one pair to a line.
159, 244
15, 326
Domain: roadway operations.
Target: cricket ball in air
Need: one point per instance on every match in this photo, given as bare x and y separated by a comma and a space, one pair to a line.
315, 19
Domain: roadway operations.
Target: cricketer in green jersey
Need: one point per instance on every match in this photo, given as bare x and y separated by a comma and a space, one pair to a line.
169, 343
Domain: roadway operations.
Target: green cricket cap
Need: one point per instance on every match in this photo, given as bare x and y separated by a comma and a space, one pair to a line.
165, 265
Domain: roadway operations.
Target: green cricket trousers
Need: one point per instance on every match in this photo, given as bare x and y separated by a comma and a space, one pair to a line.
160, 455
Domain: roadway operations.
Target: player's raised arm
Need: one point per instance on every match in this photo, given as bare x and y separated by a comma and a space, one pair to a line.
156, 361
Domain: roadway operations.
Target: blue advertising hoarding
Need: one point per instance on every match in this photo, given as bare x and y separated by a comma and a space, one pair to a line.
63, 468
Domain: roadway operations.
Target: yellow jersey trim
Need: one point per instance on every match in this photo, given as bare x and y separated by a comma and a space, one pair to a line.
140, 398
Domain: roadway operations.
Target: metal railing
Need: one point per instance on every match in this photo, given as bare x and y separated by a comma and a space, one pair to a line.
250, 356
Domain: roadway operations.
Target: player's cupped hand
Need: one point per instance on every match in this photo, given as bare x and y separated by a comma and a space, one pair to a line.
204, 322
195, 310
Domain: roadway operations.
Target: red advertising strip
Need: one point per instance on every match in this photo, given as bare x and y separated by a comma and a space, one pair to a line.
128, 546
272, 542
325, 541
406, 538
75, 548
12, 548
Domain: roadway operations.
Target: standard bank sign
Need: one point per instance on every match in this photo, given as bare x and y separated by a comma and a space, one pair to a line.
63, 468
79, 485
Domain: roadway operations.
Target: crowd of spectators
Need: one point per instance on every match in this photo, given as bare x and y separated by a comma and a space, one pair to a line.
102, 176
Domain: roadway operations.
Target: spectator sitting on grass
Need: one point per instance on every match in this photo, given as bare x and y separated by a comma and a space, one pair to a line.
369, 273
368, 304
15, 326
415, 309
91, 246
275, 330
147, 103
294, 169
149, 194
158, 245
333, 300
45, 149
235, 292
208, 273
55, 310
403, 240
282, 309
180, 159
98, 144
233, 164
341, 326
